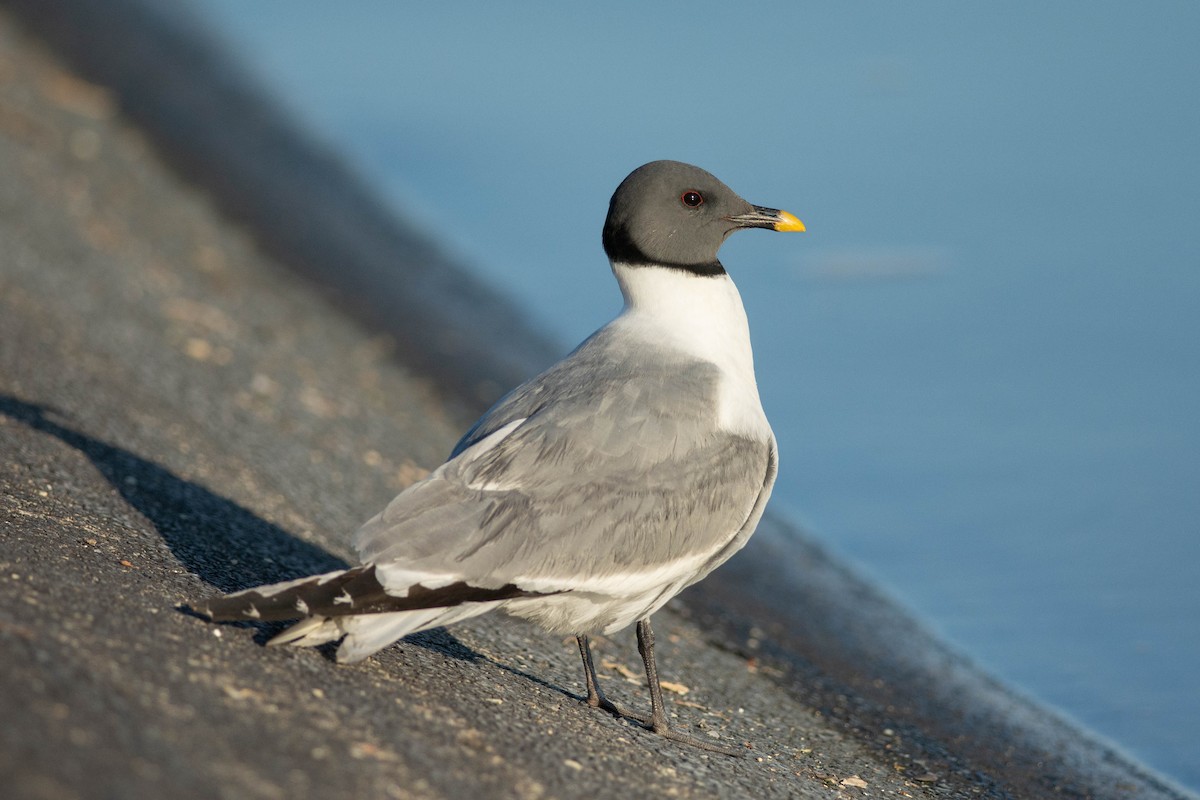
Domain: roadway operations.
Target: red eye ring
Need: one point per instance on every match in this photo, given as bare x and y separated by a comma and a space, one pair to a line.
691, 198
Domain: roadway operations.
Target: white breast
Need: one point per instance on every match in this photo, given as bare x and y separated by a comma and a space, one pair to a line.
703, 317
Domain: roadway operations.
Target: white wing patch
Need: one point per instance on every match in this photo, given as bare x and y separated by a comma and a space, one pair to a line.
617, 584
396, 580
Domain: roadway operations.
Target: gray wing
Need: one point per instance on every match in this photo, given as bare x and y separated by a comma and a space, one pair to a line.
607, 463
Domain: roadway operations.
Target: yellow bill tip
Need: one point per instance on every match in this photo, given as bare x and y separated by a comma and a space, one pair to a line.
788, 222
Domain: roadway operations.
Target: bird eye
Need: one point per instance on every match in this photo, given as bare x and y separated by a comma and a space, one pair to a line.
691, 198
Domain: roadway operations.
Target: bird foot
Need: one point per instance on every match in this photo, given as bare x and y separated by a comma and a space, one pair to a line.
661, 728
604, 704
696, 741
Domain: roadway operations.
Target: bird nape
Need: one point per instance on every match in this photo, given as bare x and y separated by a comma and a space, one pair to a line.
592, 494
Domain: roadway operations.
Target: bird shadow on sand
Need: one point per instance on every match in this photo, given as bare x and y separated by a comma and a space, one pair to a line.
219, 541
440, 640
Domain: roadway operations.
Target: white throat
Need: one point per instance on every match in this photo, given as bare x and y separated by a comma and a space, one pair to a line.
703, 317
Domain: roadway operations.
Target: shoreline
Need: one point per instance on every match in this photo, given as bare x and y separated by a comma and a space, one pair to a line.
861, 666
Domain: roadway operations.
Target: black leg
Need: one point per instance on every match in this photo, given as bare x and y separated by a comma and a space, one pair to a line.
595, 697
658, 715
657, 721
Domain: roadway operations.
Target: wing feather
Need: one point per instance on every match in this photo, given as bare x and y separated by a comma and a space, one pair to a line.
589, 469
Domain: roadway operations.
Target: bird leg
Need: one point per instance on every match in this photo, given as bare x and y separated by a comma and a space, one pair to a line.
596, 698
658, 716
657, 720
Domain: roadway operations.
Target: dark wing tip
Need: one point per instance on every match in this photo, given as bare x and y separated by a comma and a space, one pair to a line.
355, 591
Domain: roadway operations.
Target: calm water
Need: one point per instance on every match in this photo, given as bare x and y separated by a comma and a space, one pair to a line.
981, 361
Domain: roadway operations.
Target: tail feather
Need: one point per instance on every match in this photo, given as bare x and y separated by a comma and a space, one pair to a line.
353, 603
308, 632
347, 592
369, 633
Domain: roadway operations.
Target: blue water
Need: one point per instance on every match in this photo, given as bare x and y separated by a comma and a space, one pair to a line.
982, 359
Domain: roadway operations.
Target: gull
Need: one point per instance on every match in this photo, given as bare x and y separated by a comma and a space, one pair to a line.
592, 494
